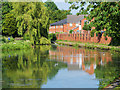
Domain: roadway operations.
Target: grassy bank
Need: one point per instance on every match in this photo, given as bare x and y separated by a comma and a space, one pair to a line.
10, 43
16, 45
89, 45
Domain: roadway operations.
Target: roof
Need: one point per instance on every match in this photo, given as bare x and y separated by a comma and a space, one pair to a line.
69, 19
75, 18
64, 21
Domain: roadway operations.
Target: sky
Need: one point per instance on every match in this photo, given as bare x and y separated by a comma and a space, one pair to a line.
63, 6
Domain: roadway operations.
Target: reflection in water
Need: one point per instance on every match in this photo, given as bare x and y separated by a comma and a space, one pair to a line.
103, 64
29, 69
81, 59
58, 66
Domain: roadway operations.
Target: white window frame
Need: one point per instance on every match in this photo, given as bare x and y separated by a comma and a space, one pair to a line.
52, 27
77, 24
70, 24
61, 26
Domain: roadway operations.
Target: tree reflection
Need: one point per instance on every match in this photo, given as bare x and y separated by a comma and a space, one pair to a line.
107, 73
28, 69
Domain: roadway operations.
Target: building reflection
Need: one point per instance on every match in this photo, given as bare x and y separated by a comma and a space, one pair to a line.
80, 59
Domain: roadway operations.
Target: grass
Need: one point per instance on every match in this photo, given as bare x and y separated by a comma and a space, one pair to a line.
16, 45
89, 45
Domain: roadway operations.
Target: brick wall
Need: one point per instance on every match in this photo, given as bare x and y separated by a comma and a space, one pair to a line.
84, 38
65, 28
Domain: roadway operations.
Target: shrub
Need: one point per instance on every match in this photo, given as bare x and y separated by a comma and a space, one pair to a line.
70, 31
92, 33
86, 27
15, 46
3, 40
44, 41
52, 37
26, 37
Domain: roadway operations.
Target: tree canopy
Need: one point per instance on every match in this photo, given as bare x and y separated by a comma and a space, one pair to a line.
106, 16
9, 25
54, 13
31, 18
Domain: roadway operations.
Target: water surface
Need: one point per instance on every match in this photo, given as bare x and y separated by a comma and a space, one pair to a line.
59, 67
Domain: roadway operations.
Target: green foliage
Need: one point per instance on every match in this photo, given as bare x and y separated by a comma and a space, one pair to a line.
86, 27
51, 5
29, 66
71, 31
9, 25
109, 72
15, 46
6, 8
92, 33
26, 36
52, 37
5, 39
54, 13
44, 41
32, 18
106, 16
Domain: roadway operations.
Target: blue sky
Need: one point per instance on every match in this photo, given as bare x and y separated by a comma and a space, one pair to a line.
63, 6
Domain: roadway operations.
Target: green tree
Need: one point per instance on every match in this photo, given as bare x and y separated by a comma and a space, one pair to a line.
51, 5
6, 8
32, 19
106, 16
54, 13
9, 25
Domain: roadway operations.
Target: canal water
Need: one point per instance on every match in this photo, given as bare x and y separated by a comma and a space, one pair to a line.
59, 67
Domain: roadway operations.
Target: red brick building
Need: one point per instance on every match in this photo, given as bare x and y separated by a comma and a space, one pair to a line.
72, 22
76, 23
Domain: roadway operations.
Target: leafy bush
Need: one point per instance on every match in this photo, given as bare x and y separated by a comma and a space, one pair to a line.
44, 41
92, 33
70, 31
15, 46
52, 37
3, 40
11, 39
86, 27
26, 37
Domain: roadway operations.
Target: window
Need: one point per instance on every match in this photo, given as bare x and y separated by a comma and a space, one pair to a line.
70, 24
80, 21
52, 27
77, 24
56, 26
61, 26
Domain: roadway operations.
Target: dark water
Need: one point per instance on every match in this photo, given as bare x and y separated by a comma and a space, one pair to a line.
59, 67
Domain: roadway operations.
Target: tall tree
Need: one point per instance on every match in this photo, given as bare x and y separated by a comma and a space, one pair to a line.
51, 5
9, 25
32, 19
106, 16
6, 8
54, 13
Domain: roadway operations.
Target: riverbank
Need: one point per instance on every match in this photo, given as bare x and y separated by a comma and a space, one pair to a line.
16, 45
89, 45
20, 44
115, 84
